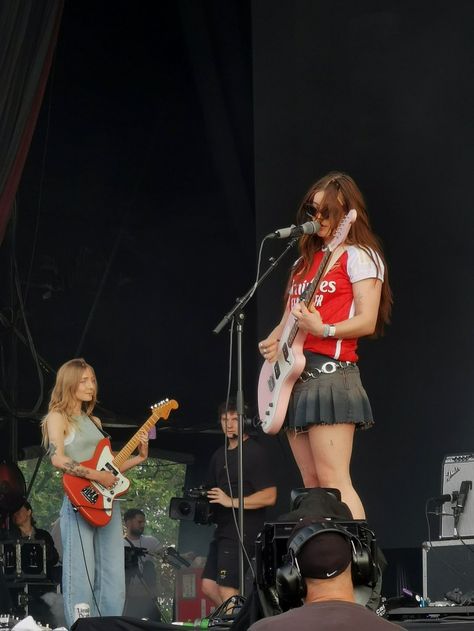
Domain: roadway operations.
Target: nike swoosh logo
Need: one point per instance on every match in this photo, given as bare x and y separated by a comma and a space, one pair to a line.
329, 574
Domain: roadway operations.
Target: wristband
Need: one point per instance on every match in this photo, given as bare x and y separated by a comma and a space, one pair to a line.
329, 330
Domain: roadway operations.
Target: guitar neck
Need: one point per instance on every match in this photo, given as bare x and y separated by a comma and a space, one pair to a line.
309, 292
159, 411
129, 448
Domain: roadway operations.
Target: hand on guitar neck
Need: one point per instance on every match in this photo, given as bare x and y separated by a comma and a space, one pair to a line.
309, 319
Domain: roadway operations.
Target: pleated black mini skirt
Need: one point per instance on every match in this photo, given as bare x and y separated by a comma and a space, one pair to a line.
327, 399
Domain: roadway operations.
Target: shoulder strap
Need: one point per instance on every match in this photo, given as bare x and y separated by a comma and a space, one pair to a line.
104, 434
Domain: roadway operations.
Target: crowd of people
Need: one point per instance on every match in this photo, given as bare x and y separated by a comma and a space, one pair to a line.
326, 406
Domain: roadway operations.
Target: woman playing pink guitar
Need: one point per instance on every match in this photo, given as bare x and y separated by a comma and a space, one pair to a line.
353, 300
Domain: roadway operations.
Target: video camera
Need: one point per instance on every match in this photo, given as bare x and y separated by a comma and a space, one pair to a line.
272, 543
194, 506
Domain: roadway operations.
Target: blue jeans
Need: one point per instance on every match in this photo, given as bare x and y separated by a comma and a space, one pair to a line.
93, 564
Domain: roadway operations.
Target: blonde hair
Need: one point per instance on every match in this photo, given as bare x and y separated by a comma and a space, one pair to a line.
63, 396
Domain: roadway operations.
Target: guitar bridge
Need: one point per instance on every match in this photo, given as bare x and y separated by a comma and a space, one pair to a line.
90, 494
271, 383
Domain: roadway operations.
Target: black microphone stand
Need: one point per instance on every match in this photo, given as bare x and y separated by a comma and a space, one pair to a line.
237, 314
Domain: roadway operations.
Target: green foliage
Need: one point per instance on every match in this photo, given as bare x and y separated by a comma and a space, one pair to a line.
153, 484
47, 494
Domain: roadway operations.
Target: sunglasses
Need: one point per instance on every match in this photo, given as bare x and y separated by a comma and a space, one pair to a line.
312, 211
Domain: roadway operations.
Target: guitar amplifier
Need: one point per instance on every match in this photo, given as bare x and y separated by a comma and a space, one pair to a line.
447, 565
458, 468
23, 560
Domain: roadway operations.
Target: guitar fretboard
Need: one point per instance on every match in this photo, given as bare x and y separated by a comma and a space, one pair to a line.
160, 411
309, 293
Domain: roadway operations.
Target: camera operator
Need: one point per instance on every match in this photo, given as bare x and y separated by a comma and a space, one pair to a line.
140, 572
320, 574
220, 578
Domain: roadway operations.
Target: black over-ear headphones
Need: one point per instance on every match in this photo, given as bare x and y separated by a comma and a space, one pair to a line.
290, 585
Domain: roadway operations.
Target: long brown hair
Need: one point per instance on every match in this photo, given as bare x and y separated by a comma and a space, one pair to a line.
341, 194
63, 395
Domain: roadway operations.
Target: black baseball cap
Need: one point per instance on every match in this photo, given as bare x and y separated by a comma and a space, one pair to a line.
325, 554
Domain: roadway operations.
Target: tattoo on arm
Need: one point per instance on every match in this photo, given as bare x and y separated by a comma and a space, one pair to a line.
52, 449
75, 468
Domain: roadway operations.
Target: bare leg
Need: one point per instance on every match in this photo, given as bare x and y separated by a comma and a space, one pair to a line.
211, 590
301, 448
331, 447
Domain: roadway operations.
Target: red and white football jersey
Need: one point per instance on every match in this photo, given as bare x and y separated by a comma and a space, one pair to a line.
335, 299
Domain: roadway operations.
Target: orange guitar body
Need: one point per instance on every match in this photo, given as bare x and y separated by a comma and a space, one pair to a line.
94, 501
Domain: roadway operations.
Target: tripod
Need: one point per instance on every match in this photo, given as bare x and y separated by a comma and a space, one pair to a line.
140, 585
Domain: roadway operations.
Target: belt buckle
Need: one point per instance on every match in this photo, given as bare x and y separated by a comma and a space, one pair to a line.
328, 368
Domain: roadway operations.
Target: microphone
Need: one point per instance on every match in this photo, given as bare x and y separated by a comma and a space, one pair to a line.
310, 227
466, 486
444, 498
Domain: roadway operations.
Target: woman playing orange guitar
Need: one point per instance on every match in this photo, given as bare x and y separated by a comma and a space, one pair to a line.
93, 564
328, 401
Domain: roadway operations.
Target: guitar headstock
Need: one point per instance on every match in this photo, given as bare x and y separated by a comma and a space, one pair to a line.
342, 230
163, 409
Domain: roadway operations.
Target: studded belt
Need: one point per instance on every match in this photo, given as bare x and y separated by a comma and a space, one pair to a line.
327, 368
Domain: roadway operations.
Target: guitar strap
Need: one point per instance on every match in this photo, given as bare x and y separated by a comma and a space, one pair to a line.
335, 256
104, 434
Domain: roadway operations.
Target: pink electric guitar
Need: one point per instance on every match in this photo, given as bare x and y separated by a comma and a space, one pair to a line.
277, 378
95, 501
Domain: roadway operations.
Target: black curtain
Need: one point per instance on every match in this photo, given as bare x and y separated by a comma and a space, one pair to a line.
28, 34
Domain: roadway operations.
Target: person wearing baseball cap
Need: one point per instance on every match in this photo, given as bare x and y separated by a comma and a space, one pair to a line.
319, 575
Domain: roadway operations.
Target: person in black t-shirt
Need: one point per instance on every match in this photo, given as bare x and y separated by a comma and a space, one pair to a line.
220, 578
23, 527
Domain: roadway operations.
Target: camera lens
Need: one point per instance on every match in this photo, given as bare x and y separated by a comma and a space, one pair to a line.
184, 508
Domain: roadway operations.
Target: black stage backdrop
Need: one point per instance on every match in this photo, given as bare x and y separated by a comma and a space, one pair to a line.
174, 135
382, 91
